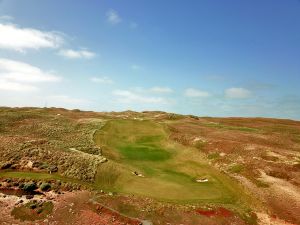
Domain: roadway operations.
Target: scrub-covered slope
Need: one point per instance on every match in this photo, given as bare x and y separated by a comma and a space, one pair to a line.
155, 166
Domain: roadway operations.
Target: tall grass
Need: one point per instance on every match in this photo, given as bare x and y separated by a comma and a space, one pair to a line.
107, 175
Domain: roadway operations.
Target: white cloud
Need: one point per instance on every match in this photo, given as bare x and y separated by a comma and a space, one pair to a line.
102, 80
238, 93
125, 96
113, 17
6, 85
152, 90
20, 39
6, 18
133, 25
19, 76
73, 54
22, 72
194, 93
161, 90
135, 67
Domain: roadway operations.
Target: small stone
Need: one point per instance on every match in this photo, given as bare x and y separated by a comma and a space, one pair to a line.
103, 160
29, 196
33, 206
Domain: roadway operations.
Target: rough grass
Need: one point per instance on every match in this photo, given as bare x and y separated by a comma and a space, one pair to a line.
108, 174
45, 137
260, 183
296, 138
236, 168
226, 127
214, 155
29, 175
32, 211
199, 145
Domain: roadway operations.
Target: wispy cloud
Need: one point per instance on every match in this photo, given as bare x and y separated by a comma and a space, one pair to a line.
20, 39
125, 96
135, 67
101, 80
195, 93
161, 90
6, 18
237, 93
259, 86
20, 76
113, 17
133, 25
152, 90
76, 54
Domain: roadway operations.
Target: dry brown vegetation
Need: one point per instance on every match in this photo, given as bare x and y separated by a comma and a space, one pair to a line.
263, 155
251, 150
51, 140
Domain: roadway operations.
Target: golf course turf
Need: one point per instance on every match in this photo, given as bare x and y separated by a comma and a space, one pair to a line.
168, 171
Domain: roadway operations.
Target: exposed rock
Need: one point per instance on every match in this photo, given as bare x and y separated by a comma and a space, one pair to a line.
203, 180
146, 222
103, 160
137, 174
29, 196
222, 154
29, 164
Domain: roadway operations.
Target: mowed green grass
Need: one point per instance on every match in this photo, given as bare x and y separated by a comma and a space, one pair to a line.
170, 170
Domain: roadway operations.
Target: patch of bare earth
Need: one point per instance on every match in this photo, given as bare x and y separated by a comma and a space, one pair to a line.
265, 219
76, 208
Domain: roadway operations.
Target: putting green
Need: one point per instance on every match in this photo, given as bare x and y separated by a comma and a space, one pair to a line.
169, 170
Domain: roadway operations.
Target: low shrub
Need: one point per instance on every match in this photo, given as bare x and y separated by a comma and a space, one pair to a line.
214, 155
45, 187
237, 168
29, 187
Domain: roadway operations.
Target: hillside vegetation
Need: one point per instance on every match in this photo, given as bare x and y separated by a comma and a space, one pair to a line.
246, 165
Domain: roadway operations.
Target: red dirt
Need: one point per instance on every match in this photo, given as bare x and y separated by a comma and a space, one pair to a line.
221, 212
106, 217
80, 211
116, 216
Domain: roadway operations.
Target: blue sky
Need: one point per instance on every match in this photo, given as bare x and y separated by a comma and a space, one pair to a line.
208, 57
